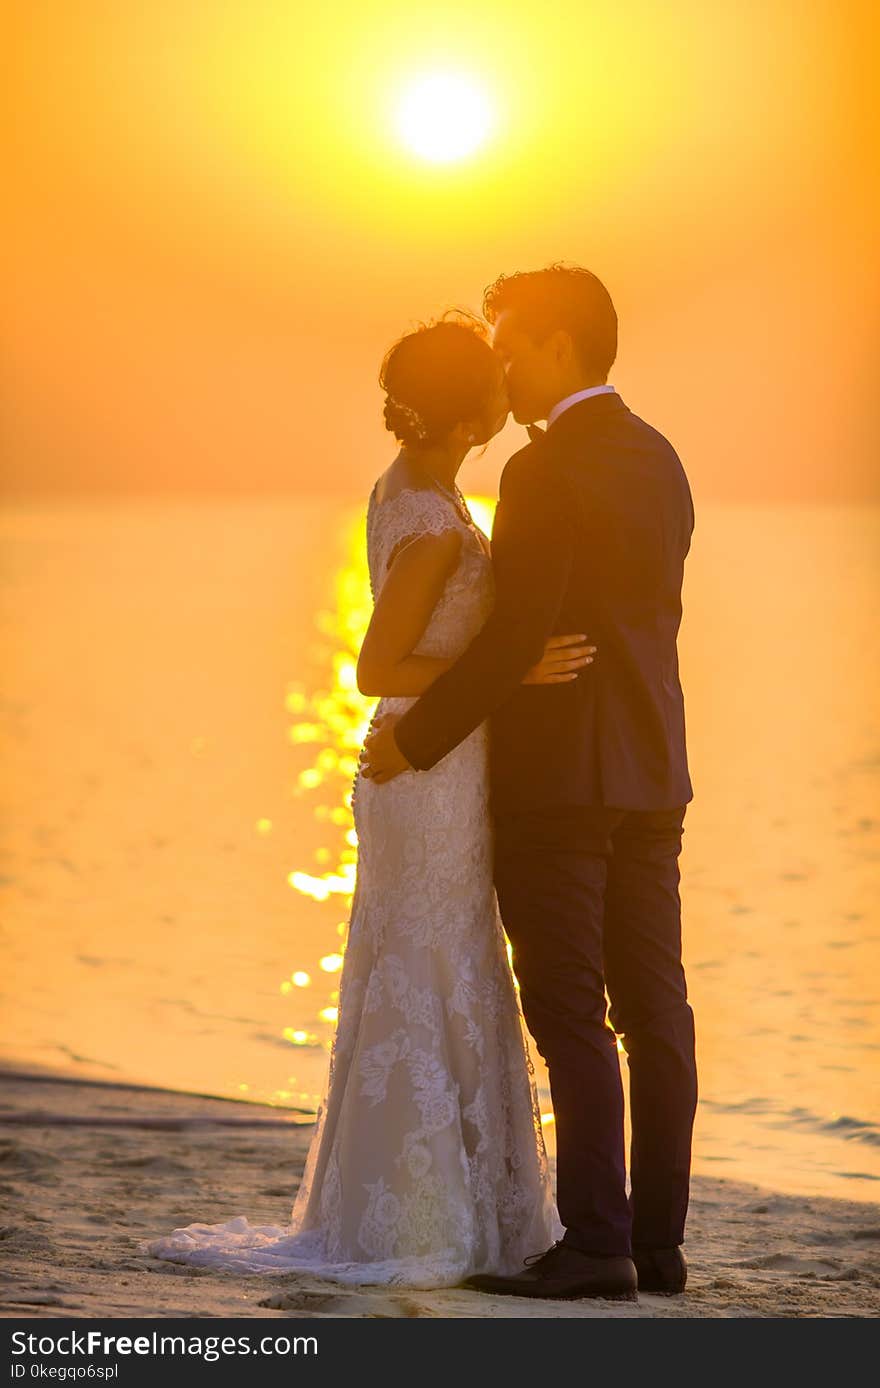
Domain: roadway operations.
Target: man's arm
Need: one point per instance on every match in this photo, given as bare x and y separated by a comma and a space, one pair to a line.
532, 548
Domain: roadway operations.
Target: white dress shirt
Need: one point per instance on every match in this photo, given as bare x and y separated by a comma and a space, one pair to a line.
573, 399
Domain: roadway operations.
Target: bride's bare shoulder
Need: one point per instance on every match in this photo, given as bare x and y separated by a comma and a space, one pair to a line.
395, 479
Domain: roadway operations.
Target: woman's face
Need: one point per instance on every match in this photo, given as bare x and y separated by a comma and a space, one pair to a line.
496, 411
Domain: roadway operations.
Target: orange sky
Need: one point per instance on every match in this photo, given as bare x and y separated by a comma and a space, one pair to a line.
215, 230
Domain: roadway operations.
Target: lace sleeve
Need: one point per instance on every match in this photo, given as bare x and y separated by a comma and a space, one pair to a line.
406, 517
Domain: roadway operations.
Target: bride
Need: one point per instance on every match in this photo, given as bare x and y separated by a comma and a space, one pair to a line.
427, 1164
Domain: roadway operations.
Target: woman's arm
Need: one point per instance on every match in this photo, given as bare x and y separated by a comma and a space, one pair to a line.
415, 581
416, 578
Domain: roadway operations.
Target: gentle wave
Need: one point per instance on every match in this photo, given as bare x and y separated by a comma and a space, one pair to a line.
299, 1117
845, 1126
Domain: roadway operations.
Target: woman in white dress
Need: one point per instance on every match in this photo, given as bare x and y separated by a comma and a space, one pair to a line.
427, 1163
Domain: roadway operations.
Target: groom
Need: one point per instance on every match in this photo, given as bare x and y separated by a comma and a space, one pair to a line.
589, 781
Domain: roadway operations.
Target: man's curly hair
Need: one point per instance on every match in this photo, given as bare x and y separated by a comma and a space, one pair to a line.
560, 296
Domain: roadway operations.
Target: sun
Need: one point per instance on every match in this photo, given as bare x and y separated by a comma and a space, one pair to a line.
444, 116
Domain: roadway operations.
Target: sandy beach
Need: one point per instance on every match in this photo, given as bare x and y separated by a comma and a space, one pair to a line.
88, 1171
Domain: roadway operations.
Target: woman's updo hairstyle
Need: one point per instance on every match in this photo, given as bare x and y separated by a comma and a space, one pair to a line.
436, 376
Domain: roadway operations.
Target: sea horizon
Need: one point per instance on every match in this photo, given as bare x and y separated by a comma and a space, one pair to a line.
180, 729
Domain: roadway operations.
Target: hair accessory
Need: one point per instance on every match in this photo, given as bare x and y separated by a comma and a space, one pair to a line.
411, 415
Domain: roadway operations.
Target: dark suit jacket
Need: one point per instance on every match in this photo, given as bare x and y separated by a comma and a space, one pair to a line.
593, 523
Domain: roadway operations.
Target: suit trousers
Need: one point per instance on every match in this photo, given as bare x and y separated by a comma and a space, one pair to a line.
589, 898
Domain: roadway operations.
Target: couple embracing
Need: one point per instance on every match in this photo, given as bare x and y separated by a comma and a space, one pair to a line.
526, 774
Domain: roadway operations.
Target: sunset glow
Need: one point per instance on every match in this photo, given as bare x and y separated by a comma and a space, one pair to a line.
220, 220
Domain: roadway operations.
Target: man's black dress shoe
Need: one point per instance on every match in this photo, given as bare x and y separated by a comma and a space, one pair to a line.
564, 1273
661, 1270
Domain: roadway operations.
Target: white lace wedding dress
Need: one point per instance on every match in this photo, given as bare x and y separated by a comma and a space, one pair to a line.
427, 1162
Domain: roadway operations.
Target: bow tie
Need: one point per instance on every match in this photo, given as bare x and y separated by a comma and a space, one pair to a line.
535, 432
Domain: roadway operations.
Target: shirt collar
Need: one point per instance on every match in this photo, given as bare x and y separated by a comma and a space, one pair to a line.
573, 399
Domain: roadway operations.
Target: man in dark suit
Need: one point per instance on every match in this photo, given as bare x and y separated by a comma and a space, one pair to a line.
589, 780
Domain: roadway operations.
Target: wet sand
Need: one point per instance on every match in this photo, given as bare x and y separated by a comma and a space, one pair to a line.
88, 1171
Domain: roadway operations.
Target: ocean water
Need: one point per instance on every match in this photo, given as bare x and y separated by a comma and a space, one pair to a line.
180, 727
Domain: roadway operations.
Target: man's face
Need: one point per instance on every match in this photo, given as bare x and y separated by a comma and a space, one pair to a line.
533, 370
